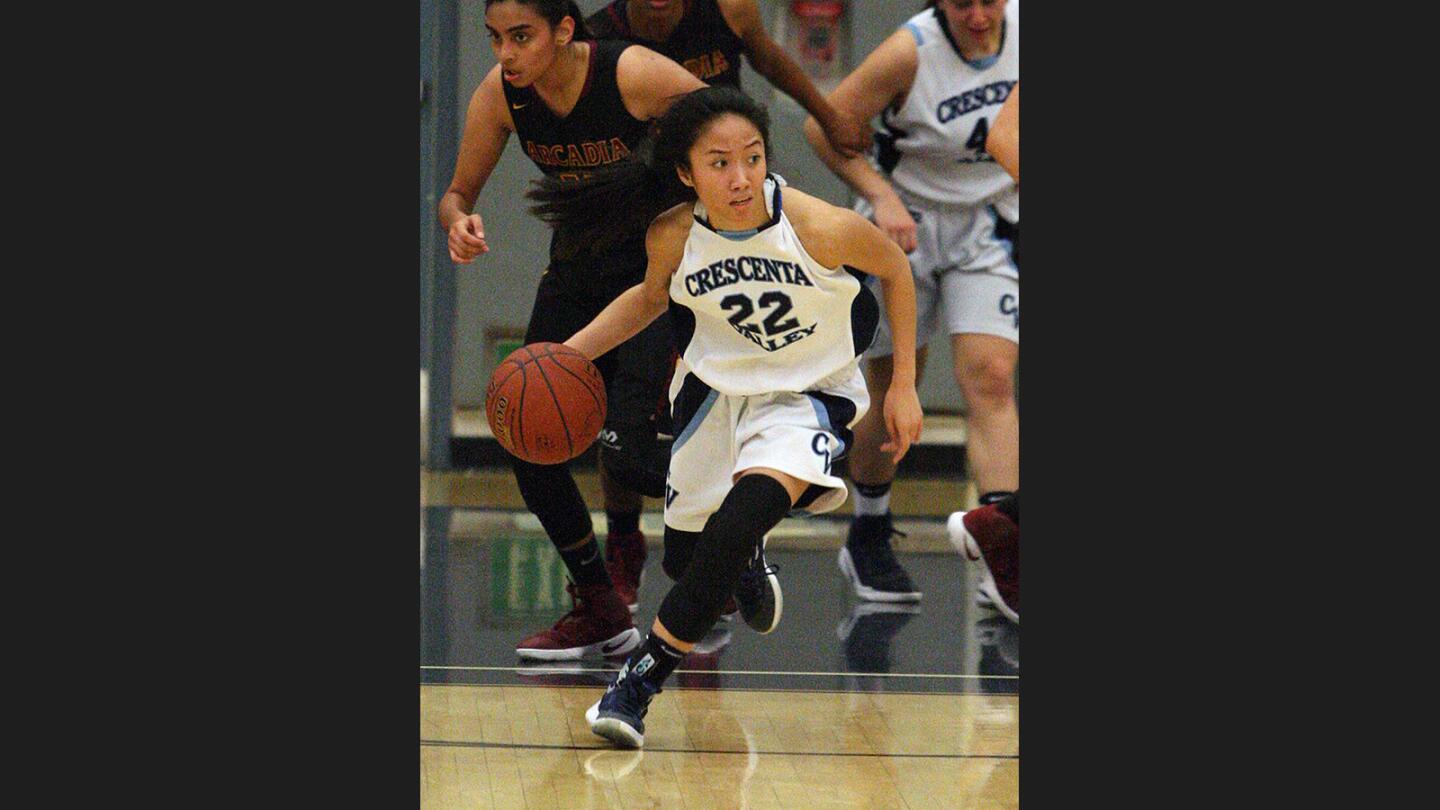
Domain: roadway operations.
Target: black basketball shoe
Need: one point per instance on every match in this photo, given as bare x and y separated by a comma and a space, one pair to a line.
759, 592
868, 561
619, 714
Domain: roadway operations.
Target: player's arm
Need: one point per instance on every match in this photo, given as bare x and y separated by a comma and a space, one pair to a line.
846, 134
649, 82
1003, 142
487, 127
870, 250
836, 236
639, 306
883, 79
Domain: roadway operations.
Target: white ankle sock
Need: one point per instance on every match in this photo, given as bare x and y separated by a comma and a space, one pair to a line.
865, 505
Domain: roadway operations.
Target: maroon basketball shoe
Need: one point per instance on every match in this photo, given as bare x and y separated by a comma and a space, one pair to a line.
625, 562
989, 537
600, 624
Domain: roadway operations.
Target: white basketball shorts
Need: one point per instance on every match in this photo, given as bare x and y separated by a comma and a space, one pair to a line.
964, 276
718, 435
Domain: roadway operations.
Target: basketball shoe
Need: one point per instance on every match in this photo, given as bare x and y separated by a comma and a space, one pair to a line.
868, 561
758, 593
625, 562
988, 537
599, 624
619, 714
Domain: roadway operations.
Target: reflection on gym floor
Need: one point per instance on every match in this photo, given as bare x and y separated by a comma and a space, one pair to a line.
496, 579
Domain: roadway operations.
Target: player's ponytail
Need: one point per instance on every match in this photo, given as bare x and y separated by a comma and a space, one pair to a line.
607, 207
619, 201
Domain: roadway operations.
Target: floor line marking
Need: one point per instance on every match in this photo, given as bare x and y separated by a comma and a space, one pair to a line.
647, 749
538, 671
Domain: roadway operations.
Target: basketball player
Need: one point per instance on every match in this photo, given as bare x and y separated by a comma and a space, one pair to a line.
763, 285
575, 105
708, 38
990, 535
938, 83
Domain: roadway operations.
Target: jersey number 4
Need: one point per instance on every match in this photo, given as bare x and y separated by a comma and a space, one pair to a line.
977, 136
744, 308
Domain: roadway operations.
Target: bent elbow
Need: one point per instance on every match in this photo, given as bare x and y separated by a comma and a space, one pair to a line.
655, 305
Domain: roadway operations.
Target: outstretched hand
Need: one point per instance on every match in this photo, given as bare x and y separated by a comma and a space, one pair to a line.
903, 418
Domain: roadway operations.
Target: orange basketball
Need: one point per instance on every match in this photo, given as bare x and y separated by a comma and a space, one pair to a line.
546, 403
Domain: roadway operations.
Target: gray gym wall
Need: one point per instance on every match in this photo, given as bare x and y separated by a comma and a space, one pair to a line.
495, 292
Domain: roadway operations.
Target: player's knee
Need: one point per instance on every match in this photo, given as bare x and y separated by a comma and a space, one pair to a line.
986, 382
754, 505
550, 492
633, 461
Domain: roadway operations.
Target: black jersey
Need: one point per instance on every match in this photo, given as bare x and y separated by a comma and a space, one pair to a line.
702, 42
598, 131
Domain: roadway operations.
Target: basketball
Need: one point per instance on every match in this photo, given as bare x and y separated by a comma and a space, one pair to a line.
546, 403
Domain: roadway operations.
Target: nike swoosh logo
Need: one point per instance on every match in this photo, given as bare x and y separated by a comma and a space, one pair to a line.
593, 555
609, 648
968, 555
519, 106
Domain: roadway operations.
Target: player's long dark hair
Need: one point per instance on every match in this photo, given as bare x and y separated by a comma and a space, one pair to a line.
554, 11
619, 201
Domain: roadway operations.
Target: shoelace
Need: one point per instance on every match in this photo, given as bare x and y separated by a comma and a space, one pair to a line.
884, 552
576, 601
636, 692
751, 579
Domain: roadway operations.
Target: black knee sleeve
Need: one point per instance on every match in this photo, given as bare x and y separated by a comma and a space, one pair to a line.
679, 550
550, 492
755, 504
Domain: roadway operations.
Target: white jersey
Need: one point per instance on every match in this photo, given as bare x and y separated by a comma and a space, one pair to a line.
933, 146
753, 312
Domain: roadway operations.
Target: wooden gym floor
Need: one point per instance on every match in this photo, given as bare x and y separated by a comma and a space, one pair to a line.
848, 704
